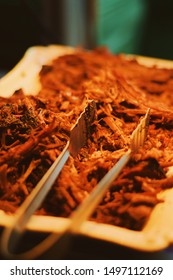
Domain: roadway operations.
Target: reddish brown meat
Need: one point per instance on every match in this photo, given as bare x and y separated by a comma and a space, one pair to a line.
34, 130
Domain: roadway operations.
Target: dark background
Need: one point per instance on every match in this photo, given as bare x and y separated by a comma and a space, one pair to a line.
25, 23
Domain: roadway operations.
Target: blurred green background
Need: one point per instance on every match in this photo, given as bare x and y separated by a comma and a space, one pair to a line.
120, 24
131, 26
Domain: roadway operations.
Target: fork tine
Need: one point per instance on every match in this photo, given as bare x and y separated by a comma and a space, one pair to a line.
140, 133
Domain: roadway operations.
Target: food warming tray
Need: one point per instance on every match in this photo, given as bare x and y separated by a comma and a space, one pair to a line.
157, 233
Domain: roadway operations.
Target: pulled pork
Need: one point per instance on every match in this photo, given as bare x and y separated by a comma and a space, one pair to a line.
35, 129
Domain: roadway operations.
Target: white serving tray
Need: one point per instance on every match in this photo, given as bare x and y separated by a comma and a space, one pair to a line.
158, 232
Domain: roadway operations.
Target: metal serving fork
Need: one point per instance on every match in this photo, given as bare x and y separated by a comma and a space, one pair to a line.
78, 138
86, 208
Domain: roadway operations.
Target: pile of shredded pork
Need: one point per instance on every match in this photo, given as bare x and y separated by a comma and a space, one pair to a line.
35, 129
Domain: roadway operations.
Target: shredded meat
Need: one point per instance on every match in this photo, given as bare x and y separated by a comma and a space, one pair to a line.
35, 129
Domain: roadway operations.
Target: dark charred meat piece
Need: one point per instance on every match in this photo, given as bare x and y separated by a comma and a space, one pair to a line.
35, 129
